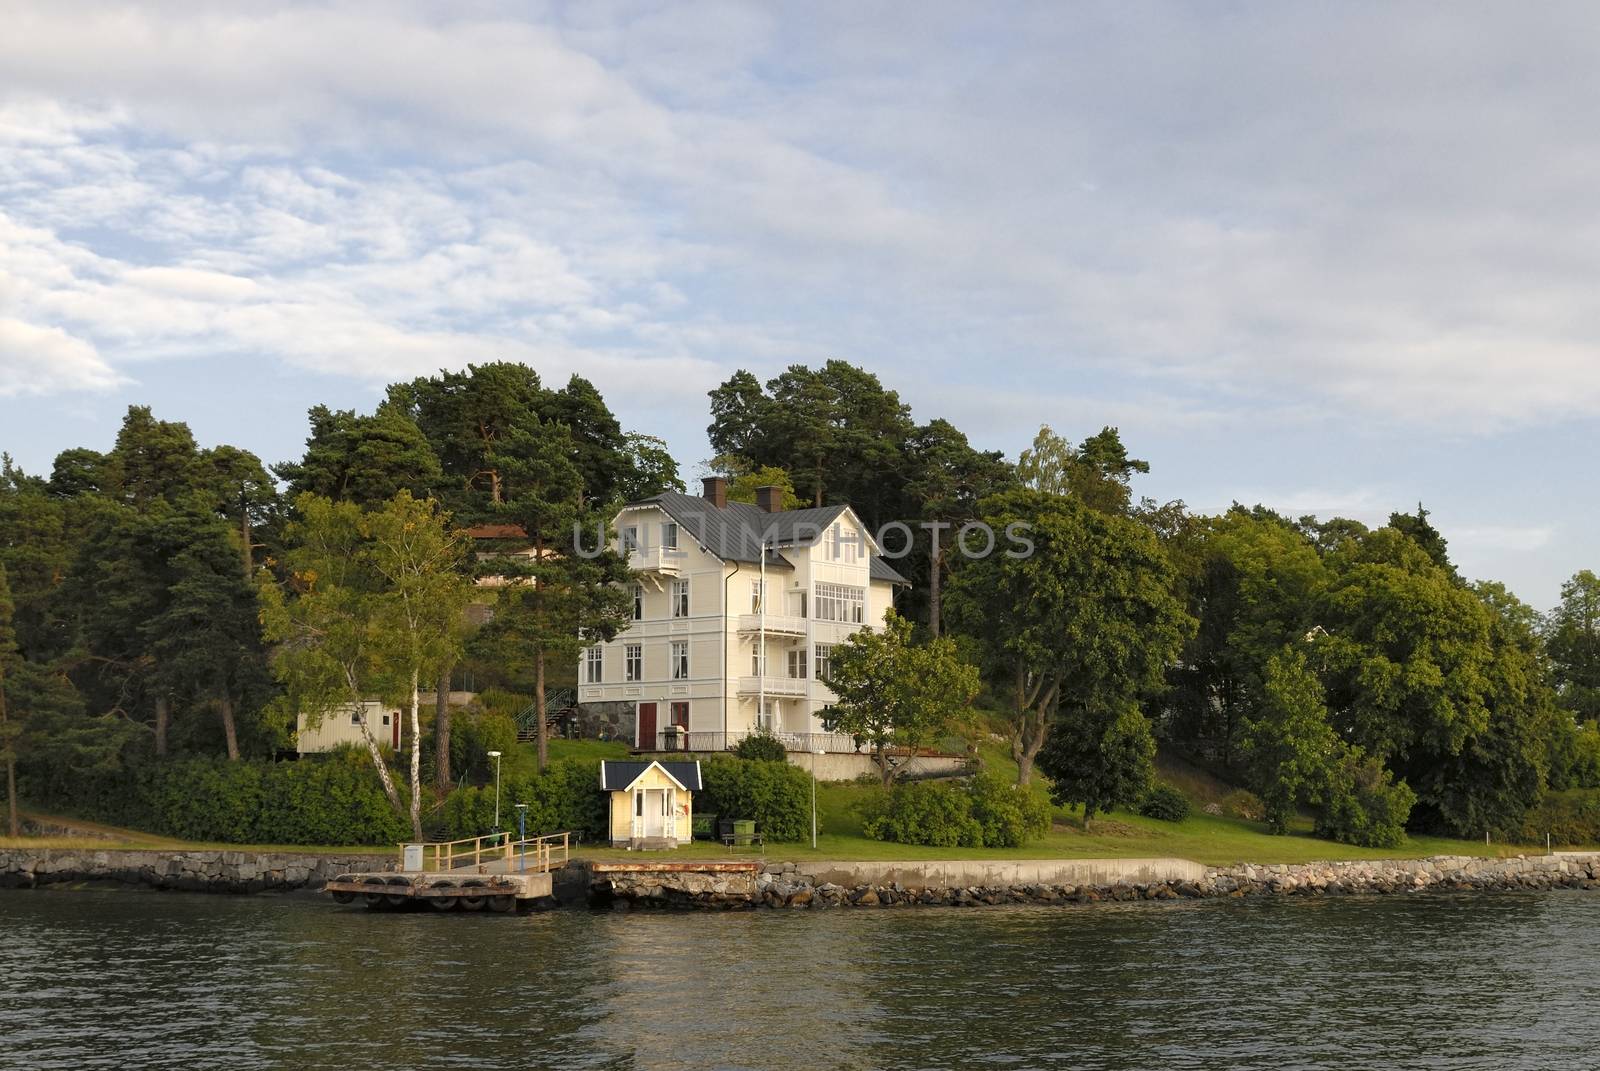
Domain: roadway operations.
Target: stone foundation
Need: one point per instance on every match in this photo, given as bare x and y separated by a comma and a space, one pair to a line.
194, 871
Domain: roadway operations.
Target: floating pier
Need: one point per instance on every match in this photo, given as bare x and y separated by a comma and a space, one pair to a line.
492, 873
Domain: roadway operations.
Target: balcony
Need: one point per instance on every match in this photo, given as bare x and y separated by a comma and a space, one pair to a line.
777, 624
829, 743
665, 560
773, 686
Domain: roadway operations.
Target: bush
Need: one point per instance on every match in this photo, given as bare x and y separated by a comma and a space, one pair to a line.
1164, 802
937, 813
1241, 803
1363, 805
775, 794
1568, 818
762, 747
1009, 814
475, 733
565, 798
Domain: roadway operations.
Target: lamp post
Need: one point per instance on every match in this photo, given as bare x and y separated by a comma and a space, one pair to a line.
814, 753
495, 755
522, 836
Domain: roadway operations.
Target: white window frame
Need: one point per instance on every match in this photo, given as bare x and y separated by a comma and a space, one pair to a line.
680, 597
758, 661
844, 603
630, 539
594, 665
679, 655
822, 661
757, 595
638, 602
797, 663
633, 662
669, 535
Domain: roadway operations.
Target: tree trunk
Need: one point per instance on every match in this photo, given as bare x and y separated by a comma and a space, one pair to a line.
247, 553
229, 729
13, 820
163, 718
441, 730
538, 708
372, 749
935, 567
1035, 729
884, 771
416, 759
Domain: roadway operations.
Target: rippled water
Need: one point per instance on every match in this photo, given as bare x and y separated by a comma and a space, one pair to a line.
103, 978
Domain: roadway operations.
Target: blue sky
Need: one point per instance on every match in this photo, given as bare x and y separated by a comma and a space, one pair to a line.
1332, 258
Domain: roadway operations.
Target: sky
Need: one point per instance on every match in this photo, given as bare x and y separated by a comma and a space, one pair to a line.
1337, 259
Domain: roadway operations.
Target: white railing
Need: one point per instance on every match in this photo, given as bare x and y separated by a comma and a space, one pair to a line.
829, 743
774, 686
777, 624
654, 560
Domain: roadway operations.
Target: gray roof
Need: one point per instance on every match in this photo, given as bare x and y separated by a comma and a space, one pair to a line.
737, 531
617, 776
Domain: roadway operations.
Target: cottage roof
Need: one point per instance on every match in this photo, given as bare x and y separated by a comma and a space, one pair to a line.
736, 532
621, 776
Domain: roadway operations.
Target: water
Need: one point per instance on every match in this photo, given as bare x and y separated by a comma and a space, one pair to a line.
122, 978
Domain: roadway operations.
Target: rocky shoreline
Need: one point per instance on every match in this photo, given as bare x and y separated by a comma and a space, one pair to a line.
210, 871
788, 886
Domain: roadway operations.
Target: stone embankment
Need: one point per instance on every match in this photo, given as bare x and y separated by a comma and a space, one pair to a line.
811, 886
219, 871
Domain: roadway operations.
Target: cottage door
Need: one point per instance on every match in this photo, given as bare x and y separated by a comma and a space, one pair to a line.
654, 808
647, 726
638, 812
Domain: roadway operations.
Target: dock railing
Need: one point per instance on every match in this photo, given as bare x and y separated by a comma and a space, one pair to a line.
535, 854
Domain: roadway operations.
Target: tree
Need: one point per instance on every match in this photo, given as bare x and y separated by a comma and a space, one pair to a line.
650, 469
556, 598
363, 459
1076, 629
420, 597
1572, 638
743, 487
10, 659
326, 617
1098, 472
896, 694
246, 495
1101, 758
1289, 747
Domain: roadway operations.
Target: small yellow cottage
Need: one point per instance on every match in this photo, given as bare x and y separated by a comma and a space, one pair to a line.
651, 802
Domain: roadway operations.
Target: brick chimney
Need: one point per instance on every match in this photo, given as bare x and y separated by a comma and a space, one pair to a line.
716, 491
770, 498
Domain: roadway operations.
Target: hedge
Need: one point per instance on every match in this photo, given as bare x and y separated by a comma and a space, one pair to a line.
775, 794
566, 797
985, 811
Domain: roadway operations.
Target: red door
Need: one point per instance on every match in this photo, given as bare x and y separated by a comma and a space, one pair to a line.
647, 726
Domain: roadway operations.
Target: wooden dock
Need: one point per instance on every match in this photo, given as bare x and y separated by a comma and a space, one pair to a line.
492, 873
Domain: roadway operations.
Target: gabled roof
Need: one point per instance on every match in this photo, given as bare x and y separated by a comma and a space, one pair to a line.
735, 532
621, 776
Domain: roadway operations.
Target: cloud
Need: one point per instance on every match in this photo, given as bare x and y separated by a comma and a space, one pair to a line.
43, 360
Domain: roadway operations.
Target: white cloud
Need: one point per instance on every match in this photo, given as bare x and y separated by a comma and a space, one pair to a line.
43, 360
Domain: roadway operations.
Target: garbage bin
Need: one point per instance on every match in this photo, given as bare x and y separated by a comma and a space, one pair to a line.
704, 827
744, 831
411, 862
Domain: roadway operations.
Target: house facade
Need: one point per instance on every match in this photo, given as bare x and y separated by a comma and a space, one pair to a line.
736, 609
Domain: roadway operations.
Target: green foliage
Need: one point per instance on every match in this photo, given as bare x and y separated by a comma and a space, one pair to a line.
743, 486
476, 733
1363, 805
1574, 760
363, 459
1009, 814
1572, 637
763, 747
1096, 473
1569, 818
775, 794
1101, 759
1164, 802
566, 797
893, 693
1241, 803
1288, 745
935, 813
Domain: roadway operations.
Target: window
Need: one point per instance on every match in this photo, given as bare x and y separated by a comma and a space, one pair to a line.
824, 660
638, 804
680, 660
630, 539
841, 544
758, 663
841, 602
680, 598
355, 717
757, 594
593, 665
386, 719
633, 662
669, 536
680, 714
797, 663
638, 602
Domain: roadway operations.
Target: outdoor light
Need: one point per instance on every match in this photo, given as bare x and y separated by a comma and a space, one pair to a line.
495, 755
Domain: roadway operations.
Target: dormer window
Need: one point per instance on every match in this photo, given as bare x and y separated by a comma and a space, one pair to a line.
669, 536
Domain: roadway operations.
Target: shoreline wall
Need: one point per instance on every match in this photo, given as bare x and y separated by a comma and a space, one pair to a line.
213, 871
